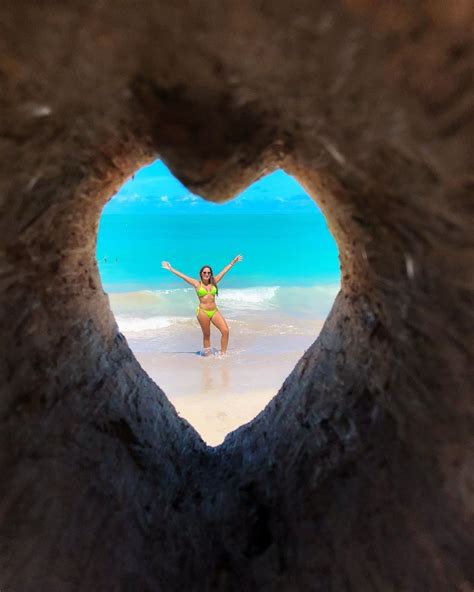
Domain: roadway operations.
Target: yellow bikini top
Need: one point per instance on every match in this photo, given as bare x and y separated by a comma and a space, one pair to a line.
202, 290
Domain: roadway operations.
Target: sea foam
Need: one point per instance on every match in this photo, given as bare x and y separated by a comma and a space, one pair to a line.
140, 324
134, 308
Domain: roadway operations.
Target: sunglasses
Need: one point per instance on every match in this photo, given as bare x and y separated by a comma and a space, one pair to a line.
206, 273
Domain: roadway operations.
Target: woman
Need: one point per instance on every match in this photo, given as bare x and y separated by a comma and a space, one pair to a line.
207, 310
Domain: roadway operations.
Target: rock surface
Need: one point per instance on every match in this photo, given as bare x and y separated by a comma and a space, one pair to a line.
358, 475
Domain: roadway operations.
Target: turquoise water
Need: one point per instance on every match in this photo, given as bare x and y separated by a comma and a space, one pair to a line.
289, 274
279, 249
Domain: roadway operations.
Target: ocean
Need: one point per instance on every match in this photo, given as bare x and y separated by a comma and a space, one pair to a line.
274, 301
279, 249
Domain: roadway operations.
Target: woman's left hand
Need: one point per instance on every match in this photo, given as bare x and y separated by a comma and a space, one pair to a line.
238, 258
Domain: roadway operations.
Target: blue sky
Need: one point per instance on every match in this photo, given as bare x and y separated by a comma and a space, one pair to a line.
154, 190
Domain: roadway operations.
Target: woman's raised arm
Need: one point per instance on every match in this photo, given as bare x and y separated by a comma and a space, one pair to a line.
221, 274
186, 278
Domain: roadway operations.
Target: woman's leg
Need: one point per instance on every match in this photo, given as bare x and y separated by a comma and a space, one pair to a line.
205, 323
220, 323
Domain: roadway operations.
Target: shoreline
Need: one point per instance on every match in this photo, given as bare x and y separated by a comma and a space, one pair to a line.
218, 395
270, 329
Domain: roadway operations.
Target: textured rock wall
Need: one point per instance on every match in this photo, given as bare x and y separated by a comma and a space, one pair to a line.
358, 475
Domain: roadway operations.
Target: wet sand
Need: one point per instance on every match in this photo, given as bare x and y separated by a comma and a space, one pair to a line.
217, 395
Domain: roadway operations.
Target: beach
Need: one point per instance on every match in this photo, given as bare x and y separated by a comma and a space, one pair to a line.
274, 301
217, 395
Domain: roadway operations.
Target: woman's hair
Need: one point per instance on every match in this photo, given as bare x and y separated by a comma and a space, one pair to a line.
211, 279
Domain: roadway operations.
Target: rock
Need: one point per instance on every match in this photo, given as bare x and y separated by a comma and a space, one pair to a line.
357, 476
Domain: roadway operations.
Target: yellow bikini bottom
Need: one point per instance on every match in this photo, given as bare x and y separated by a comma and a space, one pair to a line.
210, 313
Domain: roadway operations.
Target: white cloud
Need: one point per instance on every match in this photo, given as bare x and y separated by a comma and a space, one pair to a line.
126, 197
190, 197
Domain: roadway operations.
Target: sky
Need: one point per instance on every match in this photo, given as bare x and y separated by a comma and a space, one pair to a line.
154, 190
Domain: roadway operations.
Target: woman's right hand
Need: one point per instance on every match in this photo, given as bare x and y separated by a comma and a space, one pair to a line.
166, 265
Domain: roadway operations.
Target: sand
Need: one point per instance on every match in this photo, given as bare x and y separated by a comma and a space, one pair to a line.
217, 395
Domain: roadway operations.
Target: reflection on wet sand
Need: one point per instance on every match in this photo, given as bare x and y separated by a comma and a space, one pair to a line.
215, 377
219, 394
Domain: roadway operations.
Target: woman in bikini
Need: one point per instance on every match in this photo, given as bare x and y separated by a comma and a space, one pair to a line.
207, 310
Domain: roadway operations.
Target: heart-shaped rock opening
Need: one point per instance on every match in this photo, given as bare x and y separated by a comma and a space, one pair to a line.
272, 305
357, 476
